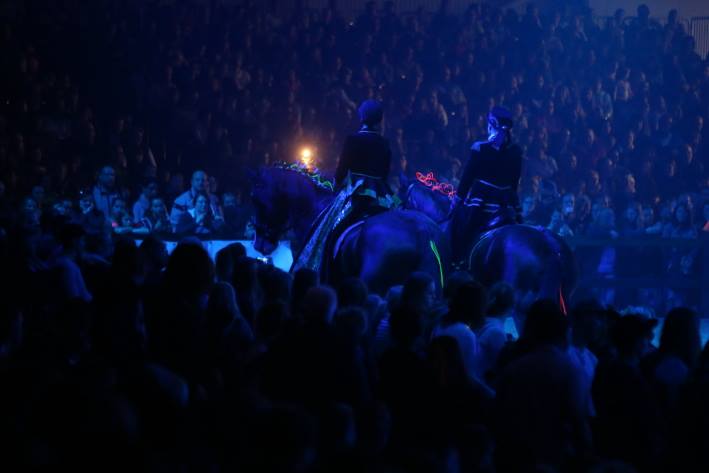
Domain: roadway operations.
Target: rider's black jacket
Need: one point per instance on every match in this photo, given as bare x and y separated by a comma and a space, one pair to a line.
492, 175
367, 155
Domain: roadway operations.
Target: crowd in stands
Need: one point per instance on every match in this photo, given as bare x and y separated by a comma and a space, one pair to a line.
157, 363
123, 101
143, 118
147, 117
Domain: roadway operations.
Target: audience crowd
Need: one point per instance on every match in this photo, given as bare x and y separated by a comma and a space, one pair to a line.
157, 363
116, 104
145, 117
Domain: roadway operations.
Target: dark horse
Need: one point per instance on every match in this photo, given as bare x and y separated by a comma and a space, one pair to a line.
536, 262
383, 251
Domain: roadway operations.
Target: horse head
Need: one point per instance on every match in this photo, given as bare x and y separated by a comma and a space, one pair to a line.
270, 212
285, 197
431, 197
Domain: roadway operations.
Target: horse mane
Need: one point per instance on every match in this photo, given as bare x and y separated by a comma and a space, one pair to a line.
313, 175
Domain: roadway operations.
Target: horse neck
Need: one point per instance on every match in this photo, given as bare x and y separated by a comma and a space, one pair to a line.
305, 201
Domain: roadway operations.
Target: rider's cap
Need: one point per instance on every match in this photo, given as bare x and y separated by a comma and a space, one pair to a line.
371, 112
500, 117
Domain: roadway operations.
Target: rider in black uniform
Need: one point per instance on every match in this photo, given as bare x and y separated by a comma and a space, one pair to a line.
361, 190
487, 193
366, 157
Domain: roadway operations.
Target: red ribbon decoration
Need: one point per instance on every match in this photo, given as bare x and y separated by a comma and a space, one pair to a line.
430, 181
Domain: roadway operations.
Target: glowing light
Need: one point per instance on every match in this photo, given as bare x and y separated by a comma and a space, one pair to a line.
306, 157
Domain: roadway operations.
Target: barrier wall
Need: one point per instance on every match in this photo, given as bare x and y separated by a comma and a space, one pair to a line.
629, 254
281, 258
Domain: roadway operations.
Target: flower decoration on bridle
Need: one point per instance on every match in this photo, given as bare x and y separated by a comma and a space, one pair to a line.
430, 181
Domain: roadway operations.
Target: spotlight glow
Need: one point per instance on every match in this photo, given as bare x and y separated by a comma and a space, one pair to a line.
306, 157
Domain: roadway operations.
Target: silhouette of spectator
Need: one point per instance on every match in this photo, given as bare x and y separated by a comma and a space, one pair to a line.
542, 400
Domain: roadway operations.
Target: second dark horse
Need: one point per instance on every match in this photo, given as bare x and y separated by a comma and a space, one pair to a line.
536, 262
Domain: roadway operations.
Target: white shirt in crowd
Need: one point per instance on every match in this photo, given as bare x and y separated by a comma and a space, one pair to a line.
491, 339
586, 363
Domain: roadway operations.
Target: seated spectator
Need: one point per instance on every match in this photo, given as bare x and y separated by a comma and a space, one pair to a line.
603, 226
559, 226
583, 214
92, 219
631, 224
540, 164
665, 215
65, 207
652, 227
104, 193
124, 224
117, 211
682, 224
569, 174
200, 219
187, 201
156, 219
568, 210
547, 203
528, 204
147, 194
